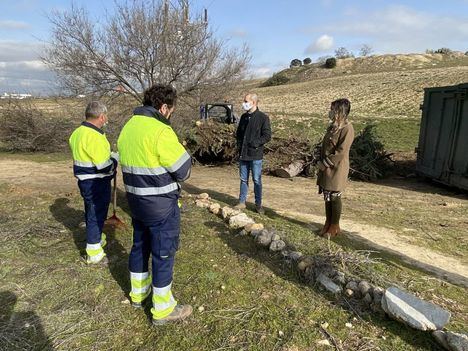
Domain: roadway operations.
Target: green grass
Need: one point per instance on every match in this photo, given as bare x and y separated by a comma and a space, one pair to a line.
63, 303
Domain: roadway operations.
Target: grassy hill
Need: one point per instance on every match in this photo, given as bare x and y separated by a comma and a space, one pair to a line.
386, 90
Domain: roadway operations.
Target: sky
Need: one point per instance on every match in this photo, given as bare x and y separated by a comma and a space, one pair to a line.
275, 31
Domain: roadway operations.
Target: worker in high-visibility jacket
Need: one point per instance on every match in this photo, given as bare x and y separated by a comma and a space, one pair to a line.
153, 163
94, 167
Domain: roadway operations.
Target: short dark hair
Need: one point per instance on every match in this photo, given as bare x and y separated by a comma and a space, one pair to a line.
158, 95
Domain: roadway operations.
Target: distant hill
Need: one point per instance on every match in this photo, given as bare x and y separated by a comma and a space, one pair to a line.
370, 64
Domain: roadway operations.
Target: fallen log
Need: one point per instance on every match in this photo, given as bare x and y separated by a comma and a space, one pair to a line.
291, 170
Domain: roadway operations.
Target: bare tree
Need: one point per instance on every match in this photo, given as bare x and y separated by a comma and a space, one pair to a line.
342, 53
365, 50
141, 43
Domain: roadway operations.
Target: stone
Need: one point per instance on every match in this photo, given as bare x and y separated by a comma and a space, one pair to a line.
243, 232
368, 299
256, 233
352, 285
441, 338
264, 238
228, 212
240, 221
306, 262
349, 292
364, 287
295, 255
457, 341
328, 284
215, 208
413, 311
339, 278
255, 226
323, 342
277, 245
275, 237
377, 293
203, 196
202, 203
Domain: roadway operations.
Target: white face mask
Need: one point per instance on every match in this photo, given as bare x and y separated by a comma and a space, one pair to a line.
246, 106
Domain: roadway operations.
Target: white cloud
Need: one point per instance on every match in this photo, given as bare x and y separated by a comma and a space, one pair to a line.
9, 24
399, 28
19, 51
323, 44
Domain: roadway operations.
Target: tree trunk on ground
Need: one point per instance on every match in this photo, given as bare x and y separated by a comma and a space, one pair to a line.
291, 170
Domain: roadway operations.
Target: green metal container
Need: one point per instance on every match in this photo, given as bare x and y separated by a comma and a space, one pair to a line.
443, 139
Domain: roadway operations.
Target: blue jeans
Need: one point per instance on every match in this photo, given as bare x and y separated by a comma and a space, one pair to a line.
244, 169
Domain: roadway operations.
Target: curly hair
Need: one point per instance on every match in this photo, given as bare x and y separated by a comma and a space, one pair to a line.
339, 113
158, 95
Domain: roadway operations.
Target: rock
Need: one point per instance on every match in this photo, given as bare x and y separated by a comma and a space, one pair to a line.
441, 339
227, 212
215, 208
203, 196
240, 221
277, 245
328, 284
352, 285
368, 299
457, 341
349, 292
364, 287
243, 232
201, 309
339, 278
349, 325
295, 255
264, 238
203, 203
275, 237
413, 311
377, 293
256, 233
255, 226
306, 262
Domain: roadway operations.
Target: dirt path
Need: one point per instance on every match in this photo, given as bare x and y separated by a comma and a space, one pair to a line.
296, 199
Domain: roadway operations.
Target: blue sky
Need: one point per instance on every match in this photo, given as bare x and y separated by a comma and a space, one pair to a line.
276, 31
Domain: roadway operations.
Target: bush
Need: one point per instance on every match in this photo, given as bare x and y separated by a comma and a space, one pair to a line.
443, 51
466, 53
25, 127
307, 61
296, 63
365, 50
322, 59
275, 79
330, 62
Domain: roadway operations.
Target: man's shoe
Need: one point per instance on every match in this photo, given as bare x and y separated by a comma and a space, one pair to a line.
104, 261
325, 228
260, 209
240, 206
179, 314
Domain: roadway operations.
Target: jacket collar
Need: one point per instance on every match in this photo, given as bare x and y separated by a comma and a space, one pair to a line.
150, 111
92, 126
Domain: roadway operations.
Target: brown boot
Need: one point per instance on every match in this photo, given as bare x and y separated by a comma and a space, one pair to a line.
333, 230
179, 314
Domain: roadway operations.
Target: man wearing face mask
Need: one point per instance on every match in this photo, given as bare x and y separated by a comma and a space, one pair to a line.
253, 132
153, 163
94, 166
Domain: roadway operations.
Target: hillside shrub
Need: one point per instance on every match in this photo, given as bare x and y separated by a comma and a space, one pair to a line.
330, 62
443, 51
296, 63
307, 61
276, 79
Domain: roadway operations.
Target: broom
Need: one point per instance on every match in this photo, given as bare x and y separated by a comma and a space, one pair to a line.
114, 220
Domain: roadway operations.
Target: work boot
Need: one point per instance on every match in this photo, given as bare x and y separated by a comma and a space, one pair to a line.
140, 304
179, 314
333, 230
240, 206
328, 213
259, 209
104, 261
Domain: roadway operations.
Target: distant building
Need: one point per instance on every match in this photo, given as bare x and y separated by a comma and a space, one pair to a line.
15, 96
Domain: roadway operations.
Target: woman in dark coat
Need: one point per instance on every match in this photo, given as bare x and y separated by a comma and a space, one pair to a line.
334, 164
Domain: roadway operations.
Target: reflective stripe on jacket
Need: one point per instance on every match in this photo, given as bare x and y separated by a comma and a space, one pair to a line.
91, 153
153, 163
